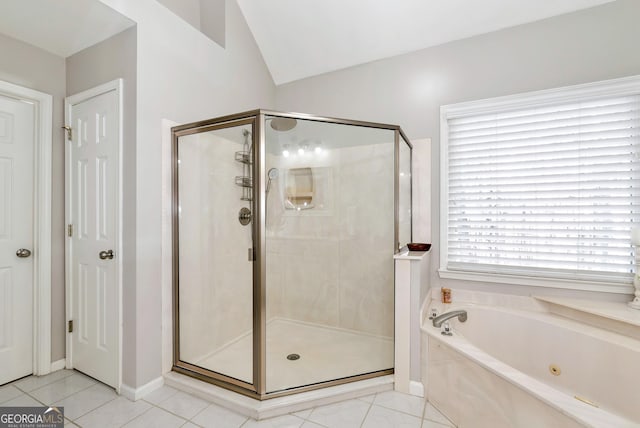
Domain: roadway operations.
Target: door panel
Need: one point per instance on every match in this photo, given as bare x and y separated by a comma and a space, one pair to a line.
6, 332
81, 314
6, 174
93, 159
16, 232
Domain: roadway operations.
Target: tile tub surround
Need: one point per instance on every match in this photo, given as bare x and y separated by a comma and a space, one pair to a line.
474, 397
505, 354
94, 406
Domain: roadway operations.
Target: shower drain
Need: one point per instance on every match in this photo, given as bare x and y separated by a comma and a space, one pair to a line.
293, 357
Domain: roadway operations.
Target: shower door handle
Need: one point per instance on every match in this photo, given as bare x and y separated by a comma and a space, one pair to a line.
251, 255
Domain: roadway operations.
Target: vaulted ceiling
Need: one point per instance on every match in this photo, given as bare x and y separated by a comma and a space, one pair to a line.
62, 27
299, 38
302, 38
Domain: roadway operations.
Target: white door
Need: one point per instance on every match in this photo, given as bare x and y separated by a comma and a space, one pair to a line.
92, 251
16, 238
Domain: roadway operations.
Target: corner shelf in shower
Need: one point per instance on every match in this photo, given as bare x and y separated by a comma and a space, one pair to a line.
244, 157
244, 181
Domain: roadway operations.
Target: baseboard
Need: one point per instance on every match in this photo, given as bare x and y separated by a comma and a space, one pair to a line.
58, 365
134, 394
416, 388
277, 406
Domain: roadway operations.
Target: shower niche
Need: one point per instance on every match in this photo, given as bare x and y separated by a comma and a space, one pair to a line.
285, 226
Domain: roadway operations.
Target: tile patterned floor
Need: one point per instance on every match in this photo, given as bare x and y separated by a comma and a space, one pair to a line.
90, 404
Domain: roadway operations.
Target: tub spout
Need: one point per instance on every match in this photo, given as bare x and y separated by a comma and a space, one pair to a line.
462, 317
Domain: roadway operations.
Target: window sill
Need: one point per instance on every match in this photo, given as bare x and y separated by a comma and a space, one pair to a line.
537, 282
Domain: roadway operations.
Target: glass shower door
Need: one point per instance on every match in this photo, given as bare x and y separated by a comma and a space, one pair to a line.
329, 251
213, 239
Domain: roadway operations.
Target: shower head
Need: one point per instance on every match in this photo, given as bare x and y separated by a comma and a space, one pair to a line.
272, 175
283, 123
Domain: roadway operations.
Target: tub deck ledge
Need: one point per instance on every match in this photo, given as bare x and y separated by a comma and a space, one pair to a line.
613, 316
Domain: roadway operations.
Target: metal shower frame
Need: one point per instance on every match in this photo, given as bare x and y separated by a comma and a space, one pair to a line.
256, 118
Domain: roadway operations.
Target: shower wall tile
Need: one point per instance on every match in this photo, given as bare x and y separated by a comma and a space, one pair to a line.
310, 284
275, 283
215, 276
336, 264
363, 310
366, 244
366, 301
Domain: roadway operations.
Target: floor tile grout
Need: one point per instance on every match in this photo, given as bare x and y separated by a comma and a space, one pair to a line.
175, 414
302, 419
203, 409
247, 420
96, 408
77, 392
43, 385
139, 416
367, 412
49, 384
401, 411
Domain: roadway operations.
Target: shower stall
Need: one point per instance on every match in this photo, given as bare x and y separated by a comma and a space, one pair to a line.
284, 230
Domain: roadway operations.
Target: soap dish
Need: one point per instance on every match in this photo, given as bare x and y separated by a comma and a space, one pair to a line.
414, 246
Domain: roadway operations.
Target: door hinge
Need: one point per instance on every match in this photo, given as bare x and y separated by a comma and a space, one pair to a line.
70, 326
69, 230
69, 132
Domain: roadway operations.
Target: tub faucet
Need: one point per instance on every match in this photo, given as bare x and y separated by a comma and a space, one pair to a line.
462, 317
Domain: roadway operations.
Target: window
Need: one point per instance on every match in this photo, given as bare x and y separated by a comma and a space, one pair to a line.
543, 185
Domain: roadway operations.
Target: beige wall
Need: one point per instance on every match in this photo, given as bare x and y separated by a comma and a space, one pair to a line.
589, 45
112, 59
183, 76
207, 16
189, 10
34, 68
28, 66
186, 77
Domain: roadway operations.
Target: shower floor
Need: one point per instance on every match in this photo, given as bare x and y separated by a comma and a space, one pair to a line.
326, 353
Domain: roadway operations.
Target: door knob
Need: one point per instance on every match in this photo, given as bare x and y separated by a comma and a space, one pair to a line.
106, 255
23, 252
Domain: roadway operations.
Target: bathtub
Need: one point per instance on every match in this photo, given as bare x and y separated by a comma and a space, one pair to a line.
520, 368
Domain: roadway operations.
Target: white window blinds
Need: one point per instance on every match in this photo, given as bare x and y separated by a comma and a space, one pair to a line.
545, 189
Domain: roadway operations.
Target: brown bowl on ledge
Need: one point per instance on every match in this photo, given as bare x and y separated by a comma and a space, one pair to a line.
414, 246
